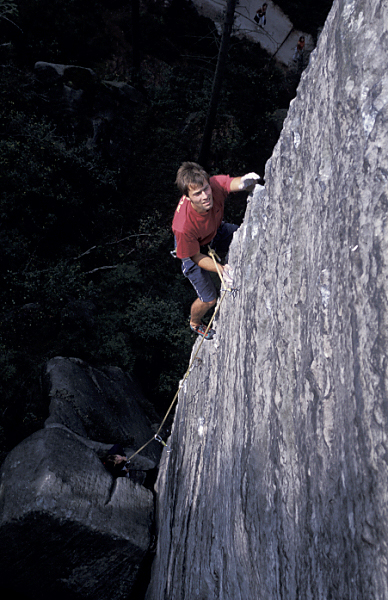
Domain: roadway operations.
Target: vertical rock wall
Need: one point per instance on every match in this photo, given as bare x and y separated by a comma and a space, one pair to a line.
276, 486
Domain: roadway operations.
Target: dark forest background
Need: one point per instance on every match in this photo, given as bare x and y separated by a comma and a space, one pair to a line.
85, 223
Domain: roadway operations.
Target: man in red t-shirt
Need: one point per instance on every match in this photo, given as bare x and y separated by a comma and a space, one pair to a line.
198, 220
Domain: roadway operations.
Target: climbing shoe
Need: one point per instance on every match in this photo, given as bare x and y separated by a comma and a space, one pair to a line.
201, 330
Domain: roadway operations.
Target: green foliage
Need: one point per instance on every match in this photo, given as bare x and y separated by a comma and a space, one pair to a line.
8, 8
49, 194
176, 32
68, 32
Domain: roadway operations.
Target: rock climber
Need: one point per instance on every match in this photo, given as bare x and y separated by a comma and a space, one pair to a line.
198, 221
118, 465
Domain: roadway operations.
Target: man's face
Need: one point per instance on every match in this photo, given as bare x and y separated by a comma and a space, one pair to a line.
201, 197
119, 459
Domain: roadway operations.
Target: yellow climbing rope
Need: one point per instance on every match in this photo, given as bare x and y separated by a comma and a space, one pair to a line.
157, 437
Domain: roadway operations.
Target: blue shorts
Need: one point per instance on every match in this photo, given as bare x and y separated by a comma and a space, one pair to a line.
201, 279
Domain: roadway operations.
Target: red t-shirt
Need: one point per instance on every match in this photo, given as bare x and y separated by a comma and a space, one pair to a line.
192, 229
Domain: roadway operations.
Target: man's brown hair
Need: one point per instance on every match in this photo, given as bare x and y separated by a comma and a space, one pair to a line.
190, 174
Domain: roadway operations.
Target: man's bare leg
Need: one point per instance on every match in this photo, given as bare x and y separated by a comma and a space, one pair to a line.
199, 310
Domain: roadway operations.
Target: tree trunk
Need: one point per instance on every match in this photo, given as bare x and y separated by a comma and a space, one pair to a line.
136, 74
217, 83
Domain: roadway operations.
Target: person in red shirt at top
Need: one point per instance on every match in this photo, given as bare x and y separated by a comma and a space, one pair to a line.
198, 221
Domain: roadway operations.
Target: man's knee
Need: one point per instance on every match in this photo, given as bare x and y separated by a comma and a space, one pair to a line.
210, 304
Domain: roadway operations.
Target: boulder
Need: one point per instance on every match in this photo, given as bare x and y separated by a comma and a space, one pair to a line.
68, 528
50, 73
100, 404
276, 486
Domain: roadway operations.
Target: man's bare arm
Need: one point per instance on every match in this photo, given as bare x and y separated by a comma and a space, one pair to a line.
234, 184
205, 262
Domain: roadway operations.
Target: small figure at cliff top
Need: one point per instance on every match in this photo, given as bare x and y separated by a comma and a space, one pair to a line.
299, 49
198, 221
261, 15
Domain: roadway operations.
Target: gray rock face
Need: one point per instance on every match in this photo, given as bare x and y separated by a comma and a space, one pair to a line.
276, 486
68, 528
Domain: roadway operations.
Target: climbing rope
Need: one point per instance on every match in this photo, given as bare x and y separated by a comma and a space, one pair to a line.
225, 290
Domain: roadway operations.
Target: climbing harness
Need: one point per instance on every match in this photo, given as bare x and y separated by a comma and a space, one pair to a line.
225, 290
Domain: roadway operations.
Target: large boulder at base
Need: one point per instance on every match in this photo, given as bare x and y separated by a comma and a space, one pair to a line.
101, 404
276, 486
68, 529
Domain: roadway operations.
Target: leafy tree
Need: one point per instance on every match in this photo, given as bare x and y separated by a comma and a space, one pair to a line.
66, 32
8, 8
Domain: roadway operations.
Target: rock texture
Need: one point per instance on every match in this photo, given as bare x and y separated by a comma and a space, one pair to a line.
276, 486
68, 528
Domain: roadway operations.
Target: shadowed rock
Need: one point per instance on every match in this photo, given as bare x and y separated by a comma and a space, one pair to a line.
68, 528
